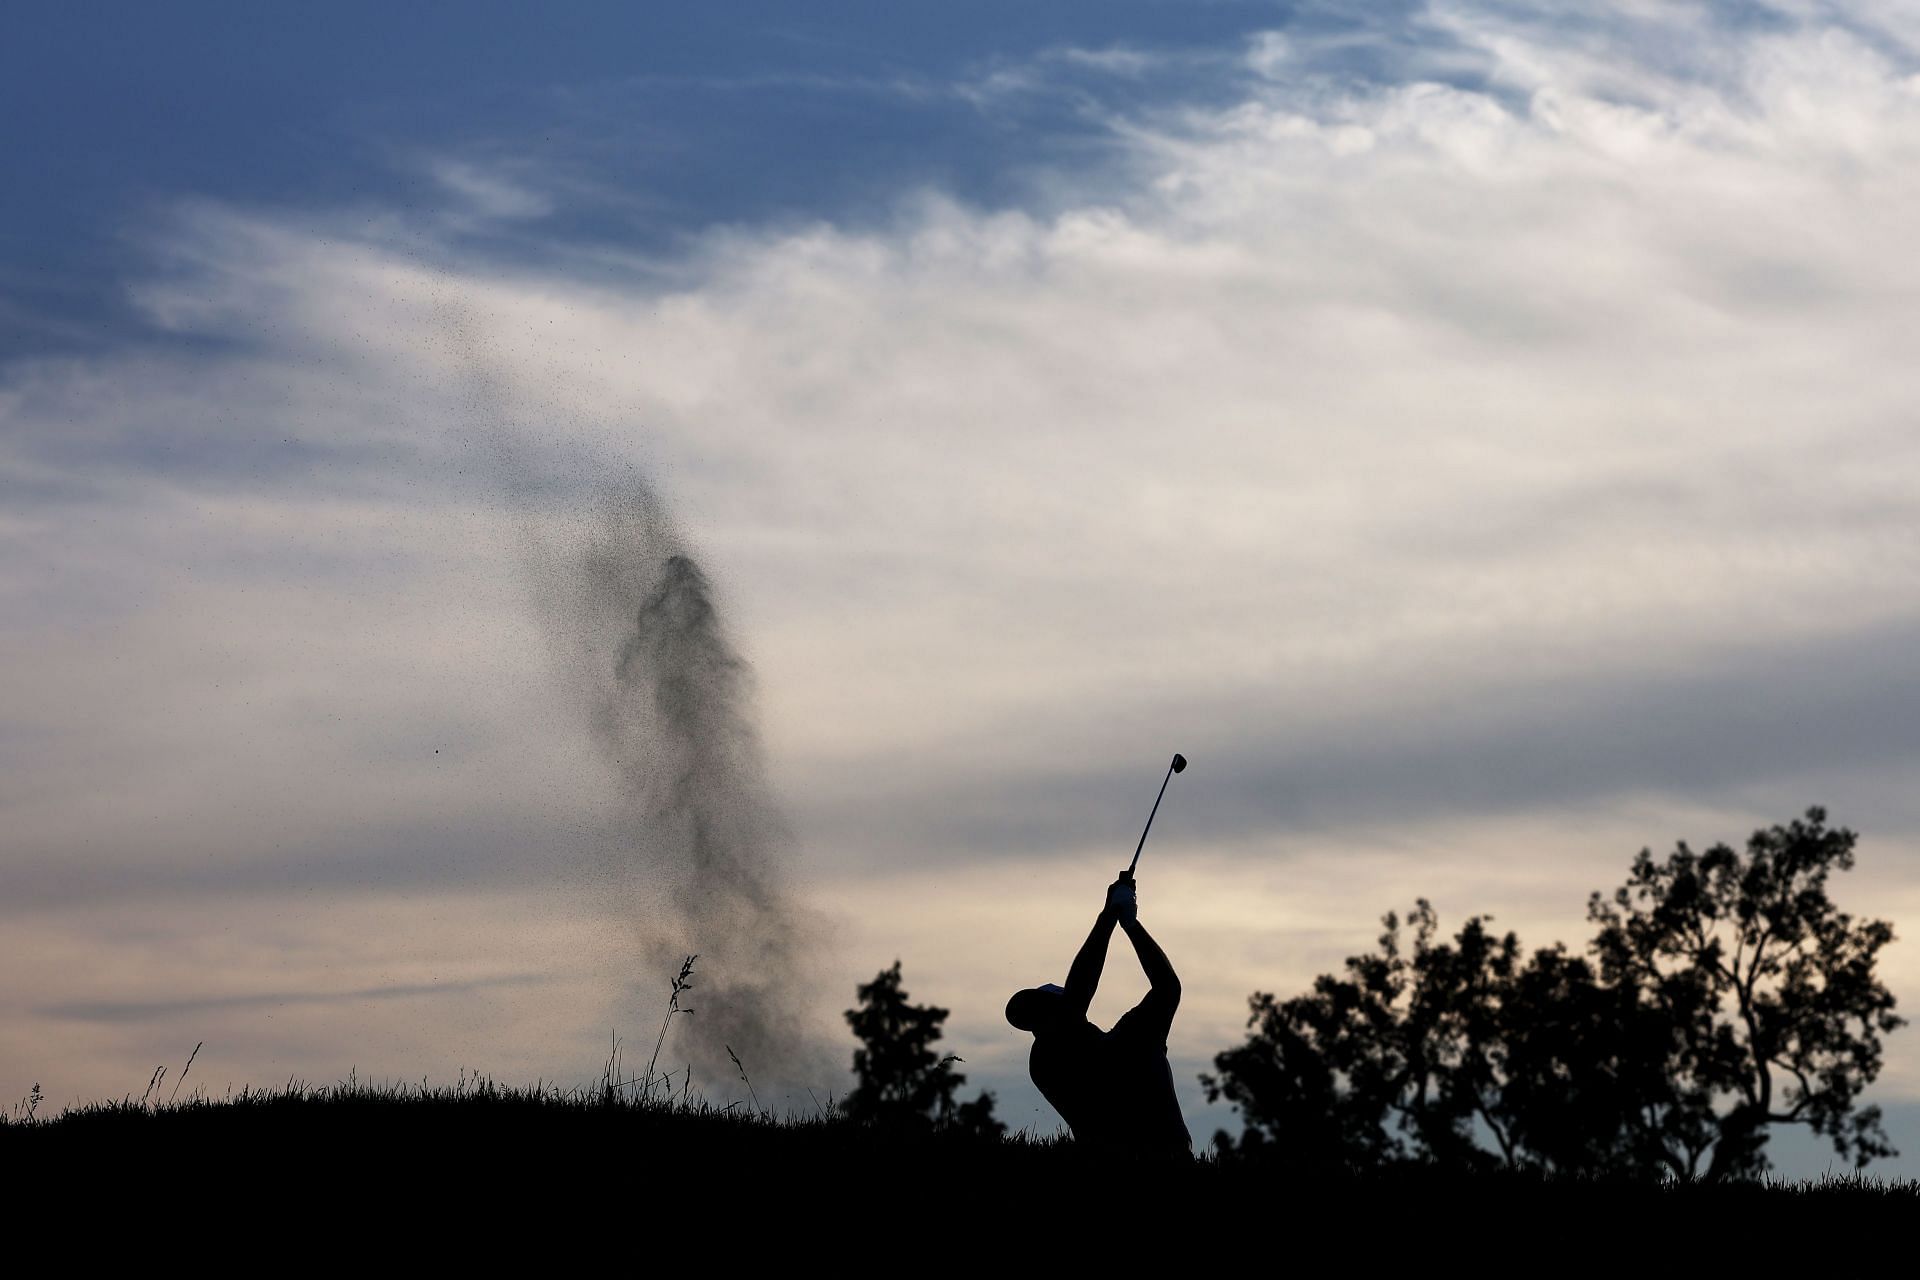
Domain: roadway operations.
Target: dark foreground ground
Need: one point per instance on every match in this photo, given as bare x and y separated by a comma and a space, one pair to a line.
405, 1178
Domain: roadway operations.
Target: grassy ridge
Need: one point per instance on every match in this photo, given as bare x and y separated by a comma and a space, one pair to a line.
479, 1177
307, 1130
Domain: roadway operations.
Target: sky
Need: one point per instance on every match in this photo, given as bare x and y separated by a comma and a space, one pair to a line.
1476, 434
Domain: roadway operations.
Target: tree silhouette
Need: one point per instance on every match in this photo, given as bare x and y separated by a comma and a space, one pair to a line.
1323, 1078
1768, 991
903, 1083
1723, 994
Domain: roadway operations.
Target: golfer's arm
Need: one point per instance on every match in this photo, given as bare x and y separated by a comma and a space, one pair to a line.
1166, 983
1084, 978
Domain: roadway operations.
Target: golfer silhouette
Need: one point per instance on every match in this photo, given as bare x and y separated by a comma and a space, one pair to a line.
1113, 1088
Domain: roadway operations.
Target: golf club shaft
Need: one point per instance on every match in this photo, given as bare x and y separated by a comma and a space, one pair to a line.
1143, 832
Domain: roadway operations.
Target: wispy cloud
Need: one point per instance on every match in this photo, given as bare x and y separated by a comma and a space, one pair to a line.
489, 194
173, 1010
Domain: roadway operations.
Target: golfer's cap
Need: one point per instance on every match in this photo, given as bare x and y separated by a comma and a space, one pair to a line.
1035, 1007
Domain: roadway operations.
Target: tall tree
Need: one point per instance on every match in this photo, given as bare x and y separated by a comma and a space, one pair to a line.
903, 1082
1768, 990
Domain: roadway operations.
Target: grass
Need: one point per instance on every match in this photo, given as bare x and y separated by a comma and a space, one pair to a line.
479, 1174
542, 1159
436, 1122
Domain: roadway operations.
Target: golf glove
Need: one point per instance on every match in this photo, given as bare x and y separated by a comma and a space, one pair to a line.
1122, 901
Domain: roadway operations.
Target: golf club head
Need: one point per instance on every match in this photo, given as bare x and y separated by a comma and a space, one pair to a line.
1179, 763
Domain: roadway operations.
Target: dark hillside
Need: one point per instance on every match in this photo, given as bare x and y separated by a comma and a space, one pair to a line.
501, 1174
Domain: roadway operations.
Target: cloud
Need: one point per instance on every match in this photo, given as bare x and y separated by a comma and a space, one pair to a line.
1785, 726
1115, 59
158, 1010
1509, 427
489, 194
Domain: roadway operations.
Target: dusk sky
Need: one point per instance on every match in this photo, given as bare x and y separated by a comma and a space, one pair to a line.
1481, 438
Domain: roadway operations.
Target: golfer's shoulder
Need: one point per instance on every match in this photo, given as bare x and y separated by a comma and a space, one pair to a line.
1078, 1031
1141, 1025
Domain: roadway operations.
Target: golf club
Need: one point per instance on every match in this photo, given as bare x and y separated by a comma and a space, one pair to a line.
1179, 763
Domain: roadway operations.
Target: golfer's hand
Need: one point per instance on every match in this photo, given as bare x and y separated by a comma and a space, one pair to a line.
1122, 903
